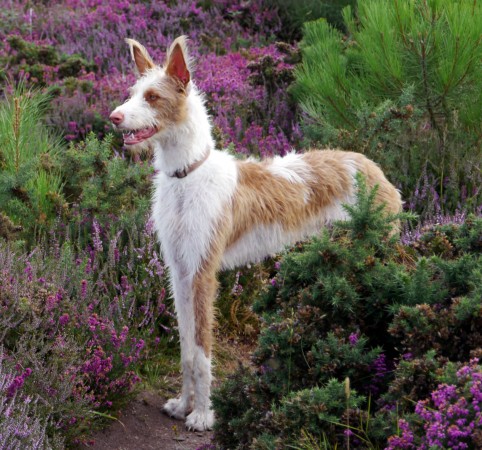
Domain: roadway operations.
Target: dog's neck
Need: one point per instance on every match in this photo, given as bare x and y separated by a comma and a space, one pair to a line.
186, 143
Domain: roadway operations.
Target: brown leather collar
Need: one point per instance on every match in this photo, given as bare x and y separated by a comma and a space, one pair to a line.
181, 173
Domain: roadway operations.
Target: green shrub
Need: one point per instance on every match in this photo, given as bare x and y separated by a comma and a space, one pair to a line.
30, 181
240, 404
38, 60
100, 183
104, 182
404, 87
354, 303
304, 413
40, 179
294, 13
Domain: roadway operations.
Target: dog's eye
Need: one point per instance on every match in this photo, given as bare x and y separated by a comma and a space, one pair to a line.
152, 97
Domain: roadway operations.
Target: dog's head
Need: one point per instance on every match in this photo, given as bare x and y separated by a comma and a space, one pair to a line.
158, 100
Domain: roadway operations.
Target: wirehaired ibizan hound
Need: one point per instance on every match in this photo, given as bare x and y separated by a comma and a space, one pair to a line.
213, 212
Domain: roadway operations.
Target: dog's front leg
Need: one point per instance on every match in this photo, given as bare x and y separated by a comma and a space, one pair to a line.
204, 292
182, 287
193, 298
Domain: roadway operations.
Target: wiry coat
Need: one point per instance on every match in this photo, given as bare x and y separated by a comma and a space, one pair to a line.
225, 212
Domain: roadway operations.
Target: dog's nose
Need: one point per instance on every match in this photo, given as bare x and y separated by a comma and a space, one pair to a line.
116, 117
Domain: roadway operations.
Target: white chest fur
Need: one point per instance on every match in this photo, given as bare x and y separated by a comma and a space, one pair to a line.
186, 211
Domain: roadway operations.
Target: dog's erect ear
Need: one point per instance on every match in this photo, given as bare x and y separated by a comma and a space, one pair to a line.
140, 56
177, 64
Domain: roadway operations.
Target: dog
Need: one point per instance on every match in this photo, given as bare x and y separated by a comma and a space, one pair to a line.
212, 211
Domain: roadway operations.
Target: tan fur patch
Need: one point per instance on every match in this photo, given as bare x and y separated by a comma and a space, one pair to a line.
263, 198
205, 286
374, 175
169, 103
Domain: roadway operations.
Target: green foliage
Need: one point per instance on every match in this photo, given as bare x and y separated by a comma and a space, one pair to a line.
337, 357
30, 181
233, 304
404, 87
238, 410
414, 378
294, 13
354, 303
314, 409
432, 46
38, 176
102, 183
38, 60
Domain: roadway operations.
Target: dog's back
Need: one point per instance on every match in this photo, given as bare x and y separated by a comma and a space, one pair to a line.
283, 200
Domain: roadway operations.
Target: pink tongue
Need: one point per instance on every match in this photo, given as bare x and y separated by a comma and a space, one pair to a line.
144, 134
135, 138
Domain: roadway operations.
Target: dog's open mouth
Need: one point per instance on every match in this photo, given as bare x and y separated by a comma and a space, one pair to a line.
132, 137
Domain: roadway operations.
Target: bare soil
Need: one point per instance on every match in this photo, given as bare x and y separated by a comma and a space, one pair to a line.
143, 426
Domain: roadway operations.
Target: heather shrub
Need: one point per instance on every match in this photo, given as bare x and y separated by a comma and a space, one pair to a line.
69, 78
30, 180
402, 88
449, 418
247, 96
96, 30
354, 303
82, 321
20, 426
90, 68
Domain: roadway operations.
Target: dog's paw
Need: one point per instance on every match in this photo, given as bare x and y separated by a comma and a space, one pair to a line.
200, 420
176, 407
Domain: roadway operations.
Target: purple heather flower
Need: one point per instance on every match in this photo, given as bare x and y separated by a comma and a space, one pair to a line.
451, 415
28, 271
64, 319
126, 287
18, 382
83, 289
237, 288
97, 236
353, 339
404, 440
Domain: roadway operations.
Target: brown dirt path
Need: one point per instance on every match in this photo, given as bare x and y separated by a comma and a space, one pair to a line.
142, 426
